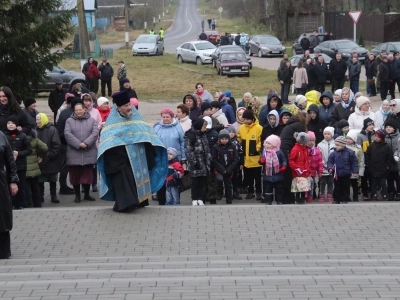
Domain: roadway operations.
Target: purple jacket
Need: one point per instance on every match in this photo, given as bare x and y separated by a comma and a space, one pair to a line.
77, 131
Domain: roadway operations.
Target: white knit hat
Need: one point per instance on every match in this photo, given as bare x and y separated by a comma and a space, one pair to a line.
300, 99
330, 129
361, 100
101, 101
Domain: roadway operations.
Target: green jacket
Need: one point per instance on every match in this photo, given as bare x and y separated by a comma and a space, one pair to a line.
39, 149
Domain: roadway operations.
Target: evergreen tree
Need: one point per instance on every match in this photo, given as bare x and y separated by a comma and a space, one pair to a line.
28, 31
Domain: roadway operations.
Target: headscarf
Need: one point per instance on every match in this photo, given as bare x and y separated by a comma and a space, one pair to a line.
351, 98
44, 120
385, 113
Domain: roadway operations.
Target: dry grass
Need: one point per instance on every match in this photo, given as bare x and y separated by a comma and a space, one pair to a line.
163, 78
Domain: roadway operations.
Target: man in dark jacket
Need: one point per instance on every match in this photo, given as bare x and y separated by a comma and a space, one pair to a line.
305, 43
285, 78
370, 72
354, 74
311, 74
237, 39
107, 72
322, 74
338, 68
203, 36
57, 97
384, 77
394, 74
124, 84
306, 56
314, 41
224, 39
77, 89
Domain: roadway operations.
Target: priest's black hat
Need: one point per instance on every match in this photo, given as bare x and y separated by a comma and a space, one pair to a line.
121, 98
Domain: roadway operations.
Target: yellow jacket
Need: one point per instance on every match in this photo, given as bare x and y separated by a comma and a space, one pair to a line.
313, 98
250, 138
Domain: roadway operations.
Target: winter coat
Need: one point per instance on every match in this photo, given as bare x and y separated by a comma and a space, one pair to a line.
285, 74
339, 132
228, 111
360, 158
77, 131
378, 158
325, 112
52, 162
250, 138
31, 116
266, 109
392, 140
242, 103
311, 75
317, 126
64, 116
326, 148
56, 99
322, 71
39, 149
232, 102
275, 177
299, 77
220, 116
394, 69
186, 123
364, 139
8, 174
287, 135
380, 118
19, 142
298, 159
22, 120
206, 97
395, 117
337, 68
269, 129
93, 72
339, 113
104, 113
370, 68
197, 153
305, 43
95, 114
225, 158
383, 72
354, 71
174, 174
356, 119
107, 72
195, 111
315, 161
212, 137
345, 162
239, 150
171, 135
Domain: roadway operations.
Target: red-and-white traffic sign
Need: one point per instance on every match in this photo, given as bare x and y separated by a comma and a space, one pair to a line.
355, 15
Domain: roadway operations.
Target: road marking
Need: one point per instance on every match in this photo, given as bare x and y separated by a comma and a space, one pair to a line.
191, 26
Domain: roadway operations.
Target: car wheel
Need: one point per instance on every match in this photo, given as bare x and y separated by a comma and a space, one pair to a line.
214, 64
180, 59
250, 54
198, 61
260, 53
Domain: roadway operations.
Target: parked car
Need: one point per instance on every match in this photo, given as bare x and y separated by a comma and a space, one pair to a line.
148, 44
295, 59
296, 48
247, 40
345, 47
197, 51
266, 45
213, 36
233, 63
222, 49
390, 47
56, 74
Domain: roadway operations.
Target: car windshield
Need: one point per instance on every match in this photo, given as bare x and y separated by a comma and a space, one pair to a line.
232, 48
146, 39
233, 56
204, 46
269, 40
346, 44
57, 69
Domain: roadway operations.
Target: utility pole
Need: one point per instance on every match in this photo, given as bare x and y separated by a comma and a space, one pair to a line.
127, 5
145, 16
83, 33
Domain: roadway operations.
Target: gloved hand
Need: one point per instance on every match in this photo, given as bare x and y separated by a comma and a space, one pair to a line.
282, 169
262, 160
396, 158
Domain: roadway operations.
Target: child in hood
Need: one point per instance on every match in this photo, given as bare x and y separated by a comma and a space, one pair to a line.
274, 164
327, 106
351, 140
316, 165
299, 163
326, 180
172, 182
237, 179
273, 126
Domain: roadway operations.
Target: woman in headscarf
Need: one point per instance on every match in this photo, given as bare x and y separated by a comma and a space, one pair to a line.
382, 114
239, 119
344, 109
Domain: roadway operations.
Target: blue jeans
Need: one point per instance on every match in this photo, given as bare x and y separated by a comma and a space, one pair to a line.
172, 195
354, 85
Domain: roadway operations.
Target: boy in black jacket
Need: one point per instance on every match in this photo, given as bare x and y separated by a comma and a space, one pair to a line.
21, 147
225, 159
378, 159
237, 178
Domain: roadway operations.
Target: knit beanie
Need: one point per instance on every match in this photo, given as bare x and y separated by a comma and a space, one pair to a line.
224, 134
215, 104
228, 94
381, 134
101, 101
167, 111
274, 140
205, 106
29, 101
367, 122
300, 99
197, 123
314, 108
172, 151
124, 80
338, 92
342, 124
391, 124
330, 129
248, 114
340, 141
302, 138
14, 119
311, 135
231, 129
361, 100
209, 122
353, 135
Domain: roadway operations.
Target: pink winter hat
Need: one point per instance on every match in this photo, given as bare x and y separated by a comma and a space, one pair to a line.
274, 140
311, 135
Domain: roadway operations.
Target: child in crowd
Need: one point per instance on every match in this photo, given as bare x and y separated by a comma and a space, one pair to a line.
316, 165
249, 136
32, 190
225, 160
273, 126
393, 178
326, 180
211, 187
364, 139
21, 148
342, 129
237, 174
342, 163
274, 164
172, 182
351, 140
298, 162
378, 158
284, 118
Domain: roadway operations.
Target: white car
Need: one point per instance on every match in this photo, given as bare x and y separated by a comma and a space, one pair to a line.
199, 52
148, 44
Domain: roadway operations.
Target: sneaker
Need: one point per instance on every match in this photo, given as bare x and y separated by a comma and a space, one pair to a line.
219, 197
228, 202
194, 203
249, 196
154, 197
94, 188
200, 202
259, 197
54, 199
374, 197
237, 197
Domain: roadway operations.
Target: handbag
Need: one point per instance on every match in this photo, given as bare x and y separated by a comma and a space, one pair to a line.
186, 182
371, 82
304, 86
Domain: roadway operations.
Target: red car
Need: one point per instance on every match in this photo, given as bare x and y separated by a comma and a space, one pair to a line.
233, 63
213, 36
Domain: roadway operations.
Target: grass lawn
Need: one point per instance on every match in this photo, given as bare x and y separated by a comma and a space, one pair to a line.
163, 78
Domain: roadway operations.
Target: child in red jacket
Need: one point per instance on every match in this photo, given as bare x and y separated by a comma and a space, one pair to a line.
316, 165
299, 163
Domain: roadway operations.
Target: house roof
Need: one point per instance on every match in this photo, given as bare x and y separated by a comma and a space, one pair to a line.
71, 4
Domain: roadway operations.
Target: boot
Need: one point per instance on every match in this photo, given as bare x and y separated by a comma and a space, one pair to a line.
321, 198
259, 197
310, 198
53, 192
94, 188
391, 197
301, 201
54, 199
87, 196
77, 193
237, 197
330, 198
